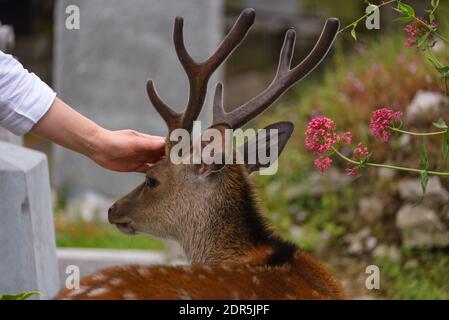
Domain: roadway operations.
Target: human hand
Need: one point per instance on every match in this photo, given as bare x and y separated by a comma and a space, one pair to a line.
126, 150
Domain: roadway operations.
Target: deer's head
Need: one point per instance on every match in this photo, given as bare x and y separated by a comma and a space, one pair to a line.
179, 197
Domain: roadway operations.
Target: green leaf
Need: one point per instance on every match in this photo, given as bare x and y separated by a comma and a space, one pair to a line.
435, 3
424, 181
440, 124
365, 160
19, 296
353, 31
445, 148
405, 9
404, 19
443, 70
436, 63
421, 44
423, 165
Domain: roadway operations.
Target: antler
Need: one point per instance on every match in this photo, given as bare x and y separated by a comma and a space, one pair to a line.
198, 72
284, 78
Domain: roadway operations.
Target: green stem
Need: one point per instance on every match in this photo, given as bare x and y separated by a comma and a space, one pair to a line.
364, 16
417, 133
378, 165
442, 37
432, 30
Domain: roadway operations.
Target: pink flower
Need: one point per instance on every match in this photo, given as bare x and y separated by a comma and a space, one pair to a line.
320, 135
345, 137
352, 171
361, 151
416, 30
381, 121
323, 163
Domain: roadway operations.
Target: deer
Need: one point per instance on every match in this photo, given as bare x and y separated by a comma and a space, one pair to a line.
211, 210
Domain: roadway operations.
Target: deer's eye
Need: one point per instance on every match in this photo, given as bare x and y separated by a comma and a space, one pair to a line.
152, 183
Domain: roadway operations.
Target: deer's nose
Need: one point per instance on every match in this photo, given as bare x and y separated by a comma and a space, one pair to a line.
111, 209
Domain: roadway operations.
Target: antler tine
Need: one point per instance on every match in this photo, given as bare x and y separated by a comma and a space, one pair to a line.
285, 76
171, 117
199, 73
218, 110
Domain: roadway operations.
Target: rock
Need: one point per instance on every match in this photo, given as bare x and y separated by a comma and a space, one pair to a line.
296, 232
392, 253
425, 107
355, 248
421, 227
27, 239
404, 140
411, 264
386, 174
444, 216
371, 209
319, 184
356, 241
410, 190
89, 206
370, 243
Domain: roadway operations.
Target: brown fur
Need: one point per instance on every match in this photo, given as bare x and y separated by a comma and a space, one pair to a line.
303, 279
230, 255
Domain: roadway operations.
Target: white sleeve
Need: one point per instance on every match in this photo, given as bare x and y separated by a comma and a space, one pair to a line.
24, 98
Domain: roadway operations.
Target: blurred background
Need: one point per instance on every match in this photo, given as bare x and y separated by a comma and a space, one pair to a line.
378, 218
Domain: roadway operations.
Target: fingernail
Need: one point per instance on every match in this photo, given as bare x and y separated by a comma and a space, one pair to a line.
162, 140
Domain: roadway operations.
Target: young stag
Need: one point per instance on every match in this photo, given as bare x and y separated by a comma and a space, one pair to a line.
210, 209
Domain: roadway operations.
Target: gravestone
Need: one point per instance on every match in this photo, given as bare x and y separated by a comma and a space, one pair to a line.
101, 70
27, 240
274, 8
6, 37
7, 136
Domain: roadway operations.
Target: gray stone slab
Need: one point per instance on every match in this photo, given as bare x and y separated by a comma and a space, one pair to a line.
91, 260
101, 70
27, 240
7, 136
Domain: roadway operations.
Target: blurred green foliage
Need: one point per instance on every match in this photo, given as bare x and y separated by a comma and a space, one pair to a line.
421, 275
81, 234
382, 73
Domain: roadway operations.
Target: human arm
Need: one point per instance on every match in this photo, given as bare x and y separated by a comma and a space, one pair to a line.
123, 150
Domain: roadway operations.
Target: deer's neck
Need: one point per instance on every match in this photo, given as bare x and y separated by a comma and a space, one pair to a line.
235, 232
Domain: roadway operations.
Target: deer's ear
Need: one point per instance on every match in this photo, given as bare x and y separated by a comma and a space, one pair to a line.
265, 148
206, 169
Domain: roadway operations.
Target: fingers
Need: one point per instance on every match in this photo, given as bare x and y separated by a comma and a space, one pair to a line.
143, 168
148, 143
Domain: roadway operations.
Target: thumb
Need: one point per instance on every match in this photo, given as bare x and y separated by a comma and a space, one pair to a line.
148, 142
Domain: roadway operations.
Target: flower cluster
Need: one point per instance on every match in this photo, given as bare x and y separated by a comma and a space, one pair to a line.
381, 121
360, 153
416, 30
323, 163
321, 135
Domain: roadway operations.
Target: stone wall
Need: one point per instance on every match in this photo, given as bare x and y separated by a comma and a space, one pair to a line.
101, 70
27, 240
